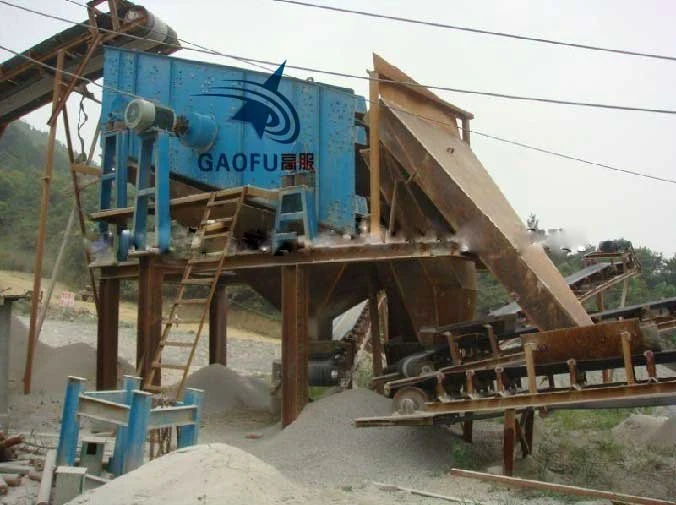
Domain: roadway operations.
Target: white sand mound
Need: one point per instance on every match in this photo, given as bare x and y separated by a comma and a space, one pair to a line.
225, 389
203, 474
324, 442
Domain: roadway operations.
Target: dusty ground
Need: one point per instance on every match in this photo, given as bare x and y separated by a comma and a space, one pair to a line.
323, 453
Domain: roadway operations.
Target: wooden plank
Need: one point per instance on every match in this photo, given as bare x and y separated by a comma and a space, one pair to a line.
509, 436
560, 488
419, 492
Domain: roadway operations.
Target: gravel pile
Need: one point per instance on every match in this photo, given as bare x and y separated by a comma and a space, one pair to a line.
324, 446
202, 474
53, 365
225, 389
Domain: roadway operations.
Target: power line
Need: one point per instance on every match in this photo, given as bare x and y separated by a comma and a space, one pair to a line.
624, 52
368, 78
482, 134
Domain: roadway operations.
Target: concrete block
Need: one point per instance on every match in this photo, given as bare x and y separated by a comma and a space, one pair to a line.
91, 454
69, 483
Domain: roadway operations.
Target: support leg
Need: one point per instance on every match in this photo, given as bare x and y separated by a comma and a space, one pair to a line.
529, 422
137, 423
508, 442
376, 347
107, 334
116, 465
5, 323
70, 427
218, 312
294, 342
189, 434
149, 317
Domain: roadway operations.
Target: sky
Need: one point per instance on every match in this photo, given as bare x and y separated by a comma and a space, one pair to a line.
593, 203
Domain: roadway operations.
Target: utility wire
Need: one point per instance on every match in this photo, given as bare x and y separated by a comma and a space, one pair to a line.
453, 124
376, 15
432, 120
368, 78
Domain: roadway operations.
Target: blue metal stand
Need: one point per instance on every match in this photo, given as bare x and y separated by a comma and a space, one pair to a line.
130, 411
294, 207
154, 148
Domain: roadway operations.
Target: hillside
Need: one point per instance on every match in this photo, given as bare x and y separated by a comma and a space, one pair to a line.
22, 155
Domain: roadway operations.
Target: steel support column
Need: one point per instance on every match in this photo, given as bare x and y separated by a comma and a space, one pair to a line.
107, 334
508, 442
376, 347
149, 322
294, 342
218, 313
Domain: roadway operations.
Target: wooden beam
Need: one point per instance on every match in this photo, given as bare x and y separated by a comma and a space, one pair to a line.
374, 152
560, 488
295, 342
42, 231
107, 335
218, 310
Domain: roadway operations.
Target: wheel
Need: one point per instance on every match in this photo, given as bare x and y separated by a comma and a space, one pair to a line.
408, 400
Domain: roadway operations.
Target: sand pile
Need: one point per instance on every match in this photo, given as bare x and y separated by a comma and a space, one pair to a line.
323, 445
203, 474
655, 431
53, 365
225, 390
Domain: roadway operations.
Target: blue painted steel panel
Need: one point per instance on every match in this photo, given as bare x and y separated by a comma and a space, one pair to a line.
241, 154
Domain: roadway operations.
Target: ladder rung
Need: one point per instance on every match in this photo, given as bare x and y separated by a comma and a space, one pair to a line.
214, 227
82, 168
198, 282
181, 321
226, 201
205, 260
216, 235
192, 301
108, 177
146, 192
217, 220
169, 366
171, 343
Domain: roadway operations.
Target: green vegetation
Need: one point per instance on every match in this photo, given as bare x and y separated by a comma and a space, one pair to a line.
656, 281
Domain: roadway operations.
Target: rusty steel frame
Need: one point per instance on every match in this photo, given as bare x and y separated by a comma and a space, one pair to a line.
42, 231
295, 342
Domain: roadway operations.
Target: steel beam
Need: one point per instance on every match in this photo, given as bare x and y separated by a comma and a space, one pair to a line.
294, 342
149, 322
218, 312
42, 230
107, 334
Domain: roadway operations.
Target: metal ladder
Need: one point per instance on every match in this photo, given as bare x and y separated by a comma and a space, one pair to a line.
210, 229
